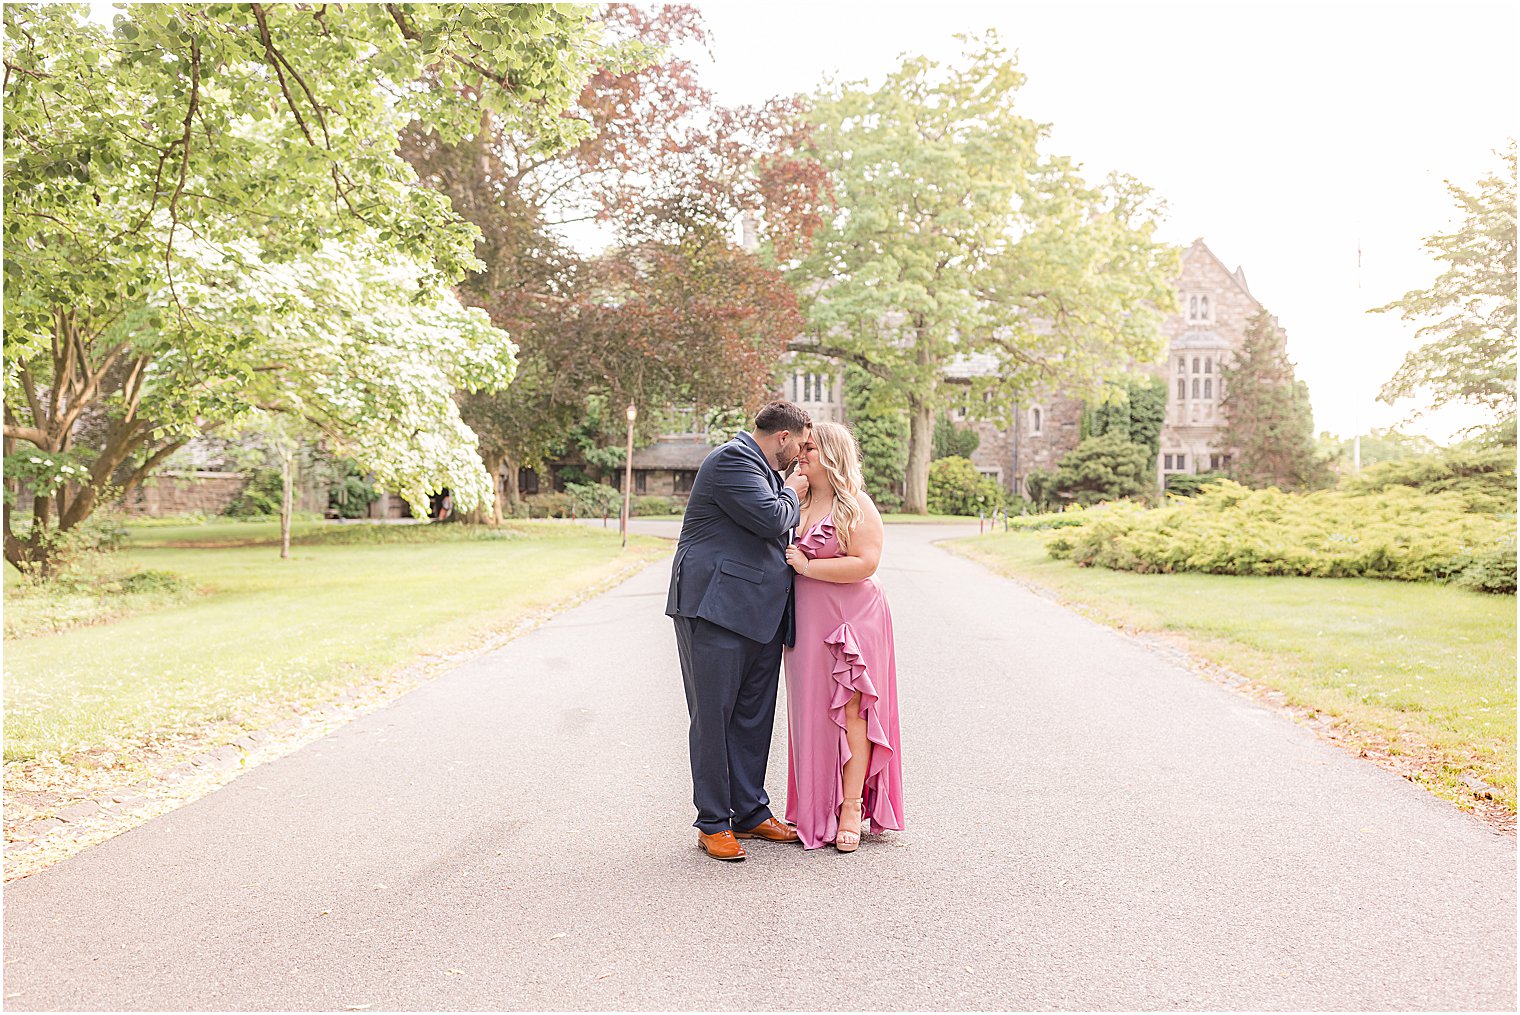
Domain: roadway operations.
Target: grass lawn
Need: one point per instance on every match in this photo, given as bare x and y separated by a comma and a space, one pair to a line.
1426, 671
254, 632
906, 519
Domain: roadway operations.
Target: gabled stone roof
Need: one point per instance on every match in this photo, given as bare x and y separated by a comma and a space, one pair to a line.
1238, 276
671, 455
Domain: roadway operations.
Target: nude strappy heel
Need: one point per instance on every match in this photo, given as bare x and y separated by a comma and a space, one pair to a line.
846, 840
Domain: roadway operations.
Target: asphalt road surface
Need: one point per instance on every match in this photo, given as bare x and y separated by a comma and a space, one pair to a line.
1090, 826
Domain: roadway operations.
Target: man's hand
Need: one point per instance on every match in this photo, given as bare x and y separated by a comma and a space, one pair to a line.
797, 481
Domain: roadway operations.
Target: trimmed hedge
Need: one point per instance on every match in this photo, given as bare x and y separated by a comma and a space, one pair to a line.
1398, 533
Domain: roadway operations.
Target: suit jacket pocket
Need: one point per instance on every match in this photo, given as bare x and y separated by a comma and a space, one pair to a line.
739, 599
738, 570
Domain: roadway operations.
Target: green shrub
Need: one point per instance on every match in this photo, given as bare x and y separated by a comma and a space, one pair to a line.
351, 493
548, 505
651, 505
150, 581
1104, 468
1399, 533
262, 495
1185, 484
1491, 570
1484, 478
956, 488
595, 500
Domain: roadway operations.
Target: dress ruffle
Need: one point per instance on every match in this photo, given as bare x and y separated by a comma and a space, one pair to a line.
850, 676
815, 539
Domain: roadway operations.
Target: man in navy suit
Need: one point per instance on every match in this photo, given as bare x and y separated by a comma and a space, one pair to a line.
731, 599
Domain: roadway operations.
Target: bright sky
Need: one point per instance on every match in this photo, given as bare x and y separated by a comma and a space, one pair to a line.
1282, 133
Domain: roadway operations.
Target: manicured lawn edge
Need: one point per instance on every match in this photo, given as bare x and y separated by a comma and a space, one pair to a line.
190, 761
1220, 660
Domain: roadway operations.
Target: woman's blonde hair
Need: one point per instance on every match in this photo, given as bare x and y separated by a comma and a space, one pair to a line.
840, 457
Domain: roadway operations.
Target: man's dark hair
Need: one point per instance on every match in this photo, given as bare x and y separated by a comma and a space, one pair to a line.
781, 416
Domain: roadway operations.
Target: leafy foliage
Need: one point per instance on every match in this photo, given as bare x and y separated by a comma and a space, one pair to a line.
1482, 478
203, 191
1397, 533
673, 312
1104, 468
882, 432
952, 440
1377, 446
958, 237
1187, 484
1269, 424
1469, 353
1135, 412
956, 488
595, 500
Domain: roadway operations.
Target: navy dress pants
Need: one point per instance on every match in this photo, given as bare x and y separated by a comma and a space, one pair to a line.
731, 697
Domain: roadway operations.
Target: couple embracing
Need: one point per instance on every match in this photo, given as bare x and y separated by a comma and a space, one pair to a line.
768, 568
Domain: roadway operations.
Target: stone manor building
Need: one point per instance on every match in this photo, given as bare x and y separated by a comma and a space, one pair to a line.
1214, 305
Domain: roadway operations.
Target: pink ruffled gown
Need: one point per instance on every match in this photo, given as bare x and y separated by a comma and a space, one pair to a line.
844, 645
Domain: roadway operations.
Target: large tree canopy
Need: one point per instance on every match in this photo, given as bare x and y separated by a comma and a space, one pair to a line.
159, 173
1469, 353
956, 237
673, 312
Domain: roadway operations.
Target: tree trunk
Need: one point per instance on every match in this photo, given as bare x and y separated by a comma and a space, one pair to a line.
510, 467
286, 455
920, 447
493, 467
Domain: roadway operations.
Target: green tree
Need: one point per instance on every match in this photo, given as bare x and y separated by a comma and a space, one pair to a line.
1135, 411
957, 237
1102, 468
1377, 446
951, 440
882, 433
1469, 353
1269, 423
170, 181
673, 312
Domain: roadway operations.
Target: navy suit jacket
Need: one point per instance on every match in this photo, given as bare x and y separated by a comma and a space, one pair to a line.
730, 567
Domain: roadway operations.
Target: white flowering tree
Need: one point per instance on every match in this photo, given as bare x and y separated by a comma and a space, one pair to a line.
205, 212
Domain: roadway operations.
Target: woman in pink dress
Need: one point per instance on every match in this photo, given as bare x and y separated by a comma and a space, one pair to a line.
841, 677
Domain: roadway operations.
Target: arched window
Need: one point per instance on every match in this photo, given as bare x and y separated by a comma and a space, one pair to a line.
1036, 421
1195, 387
1182, 364
1208, 387
1193, 308
1181, 389
1208, 365
1203, 307
1195, 364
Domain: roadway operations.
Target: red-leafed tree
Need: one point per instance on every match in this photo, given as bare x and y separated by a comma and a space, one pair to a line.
674, 312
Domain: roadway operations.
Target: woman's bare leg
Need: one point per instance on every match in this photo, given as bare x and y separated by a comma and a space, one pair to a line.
854, 775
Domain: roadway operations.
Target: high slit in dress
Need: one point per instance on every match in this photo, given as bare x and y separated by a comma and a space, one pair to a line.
844, 645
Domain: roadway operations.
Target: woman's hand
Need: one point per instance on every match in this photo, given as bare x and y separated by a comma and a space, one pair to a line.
797, 559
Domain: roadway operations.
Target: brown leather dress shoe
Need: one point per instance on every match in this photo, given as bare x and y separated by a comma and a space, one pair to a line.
771, 830
720, 845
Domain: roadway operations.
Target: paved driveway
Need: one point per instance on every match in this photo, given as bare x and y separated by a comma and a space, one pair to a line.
1091, 826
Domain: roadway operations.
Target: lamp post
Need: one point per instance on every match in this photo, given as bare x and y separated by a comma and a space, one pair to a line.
633, 414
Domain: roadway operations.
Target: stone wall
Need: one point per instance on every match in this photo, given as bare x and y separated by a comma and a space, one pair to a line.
1047, 429
184, 493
